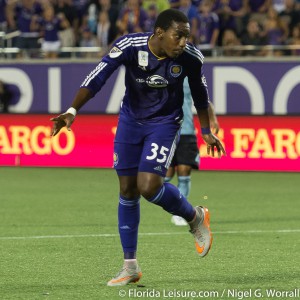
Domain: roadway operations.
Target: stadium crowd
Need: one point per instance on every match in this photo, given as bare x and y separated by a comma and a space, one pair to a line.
52, 24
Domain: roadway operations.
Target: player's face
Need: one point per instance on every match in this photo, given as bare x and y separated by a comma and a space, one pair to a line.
175, 38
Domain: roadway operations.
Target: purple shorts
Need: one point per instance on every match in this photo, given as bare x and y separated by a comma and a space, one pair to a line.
144, 147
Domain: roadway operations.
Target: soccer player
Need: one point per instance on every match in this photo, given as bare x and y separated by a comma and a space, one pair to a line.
149, 125
186, 156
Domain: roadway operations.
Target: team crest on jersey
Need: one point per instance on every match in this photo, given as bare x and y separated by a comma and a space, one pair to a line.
116, 158
143, 58
115, 52
175, 70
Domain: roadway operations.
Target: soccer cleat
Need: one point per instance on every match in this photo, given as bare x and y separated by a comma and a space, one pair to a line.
179, 221
126, 276
201, 231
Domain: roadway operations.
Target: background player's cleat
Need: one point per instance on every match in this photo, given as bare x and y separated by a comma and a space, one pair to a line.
201, 231
179, 221
126, 276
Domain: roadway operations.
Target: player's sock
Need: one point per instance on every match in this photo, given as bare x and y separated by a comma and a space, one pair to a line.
129, 218
171, 200
184, 185
167, 179
130, 263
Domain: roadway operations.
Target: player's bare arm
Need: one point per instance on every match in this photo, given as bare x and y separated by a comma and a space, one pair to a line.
214, 124
211, 140
66, 120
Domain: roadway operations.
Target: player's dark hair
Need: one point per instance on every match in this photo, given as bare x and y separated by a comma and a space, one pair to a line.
168, 16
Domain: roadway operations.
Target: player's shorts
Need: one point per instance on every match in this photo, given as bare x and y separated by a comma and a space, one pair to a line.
187, 152
144, 147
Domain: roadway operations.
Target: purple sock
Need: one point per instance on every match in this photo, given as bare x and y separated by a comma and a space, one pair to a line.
129, 219
171, 200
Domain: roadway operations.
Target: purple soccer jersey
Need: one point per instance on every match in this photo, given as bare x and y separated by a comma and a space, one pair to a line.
154, 87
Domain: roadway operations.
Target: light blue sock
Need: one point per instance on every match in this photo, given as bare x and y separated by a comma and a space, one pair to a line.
168, 179
184, 185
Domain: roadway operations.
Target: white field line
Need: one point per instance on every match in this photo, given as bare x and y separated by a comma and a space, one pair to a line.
141, 234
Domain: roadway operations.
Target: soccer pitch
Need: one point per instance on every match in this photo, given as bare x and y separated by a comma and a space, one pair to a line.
59, 238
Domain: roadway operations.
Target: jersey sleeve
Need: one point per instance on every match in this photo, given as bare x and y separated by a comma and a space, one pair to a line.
117, 56
196, 78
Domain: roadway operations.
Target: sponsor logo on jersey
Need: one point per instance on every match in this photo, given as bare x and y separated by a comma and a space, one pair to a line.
116, 158
115, 52
156, 81
175, 70
143, 58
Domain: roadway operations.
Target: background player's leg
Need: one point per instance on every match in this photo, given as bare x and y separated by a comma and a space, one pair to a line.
170, 174
184, 179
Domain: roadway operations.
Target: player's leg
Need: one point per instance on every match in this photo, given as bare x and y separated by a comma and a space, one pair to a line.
174, 219
170, 174
155, 159
128, 222
184, 179
184, 186
166, 195
126, 164
159, 148
129, 215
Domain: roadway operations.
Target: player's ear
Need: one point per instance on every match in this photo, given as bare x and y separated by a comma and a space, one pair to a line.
159, 32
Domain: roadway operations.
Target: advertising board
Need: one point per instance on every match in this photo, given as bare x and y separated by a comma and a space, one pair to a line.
253, 143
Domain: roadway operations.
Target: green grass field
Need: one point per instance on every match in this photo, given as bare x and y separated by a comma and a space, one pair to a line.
59, 239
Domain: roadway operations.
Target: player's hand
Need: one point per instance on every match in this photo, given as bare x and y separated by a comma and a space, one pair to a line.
61, 121
213, 142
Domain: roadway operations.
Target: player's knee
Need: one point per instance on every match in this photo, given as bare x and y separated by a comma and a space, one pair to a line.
128, 191
145, 189
128, 187
148, 189
149, 184
129, 194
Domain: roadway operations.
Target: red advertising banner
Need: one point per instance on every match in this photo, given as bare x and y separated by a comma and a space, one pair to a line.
253, 143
